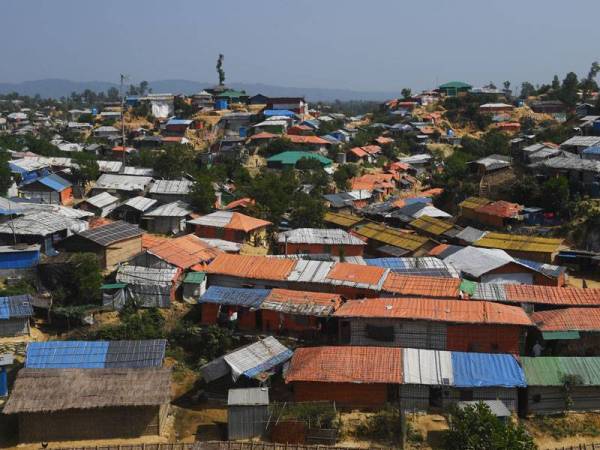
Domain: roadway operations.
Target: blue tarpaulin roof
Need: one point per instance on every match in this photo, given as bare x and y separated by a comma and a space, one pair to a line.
268, 365
4, 311
95, 354
179, 122
15, 306
278, 112
53, 181
251, 298
486, 370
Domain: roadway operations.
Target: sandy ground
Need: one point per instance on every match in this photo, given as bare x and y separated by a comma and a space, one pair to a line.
578, 282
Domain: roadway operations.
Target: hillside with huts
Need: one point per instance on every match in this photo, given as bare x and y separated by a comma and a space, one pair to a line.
234, 267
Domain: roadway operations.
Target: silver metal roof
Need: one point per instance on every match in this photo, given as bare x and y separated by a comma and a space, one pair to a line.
319, 236
570, 164
122, 182
248, 396
174, 209
138, 171
218, 219
42, 223
102, 200
171, 187
140, 203
311, 271
582, 141
145, 275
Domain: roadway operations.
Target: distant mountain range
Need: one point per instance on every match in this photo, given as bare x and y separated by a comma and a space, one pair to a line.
56, 88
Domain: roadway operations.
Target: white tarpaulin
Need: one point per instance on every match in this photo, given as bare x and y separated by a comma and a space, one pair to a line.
508, 278
162, 108
427, 367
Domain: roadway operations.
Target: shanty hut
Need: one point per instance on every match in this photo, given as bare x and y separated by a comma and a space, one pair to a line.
225, 305
113, 243
252, 362
15, 313
388, 241
132, 209
436, 324
125, 186
17, 257
194, 286
247, 412
101, 205
350, 376
436, 379
520, 246
50, 189
317, 241
231, 226
167, 219
556, 384
425, 266
78, 404
569, 331
468, 207
168, 191
149, 287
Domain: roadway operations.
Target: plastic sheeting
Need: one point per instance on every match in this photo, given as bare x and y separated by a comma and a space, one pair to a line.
428, 367
66, 355
486, 370
251, 298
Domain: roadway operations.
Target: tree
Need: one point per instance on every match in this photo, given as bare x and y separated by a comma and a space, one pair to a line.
406, 93
87, 168
202, 195
143, 88
476, 428
220, 70
555, 83
555, 194
343, 174
174, 161
569, 89
527, 90
5, 173
77, 282
112, 94
307, 211
506, 85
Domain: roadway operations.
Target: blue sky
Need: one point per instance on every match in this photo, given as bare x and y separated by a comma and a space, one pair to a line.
371, 45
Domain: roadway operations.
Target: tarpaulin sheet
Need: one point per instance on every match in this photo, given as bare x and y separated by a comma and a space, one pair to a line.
486, 370
251, 298
4, 308
428, 367
66, 355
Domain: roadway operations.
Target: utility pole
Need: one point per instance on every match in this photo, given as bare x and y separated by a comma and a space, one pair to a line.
123, 77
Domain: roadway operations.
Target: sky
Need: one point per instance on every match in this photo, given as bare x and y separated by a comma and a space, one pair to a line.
371, 45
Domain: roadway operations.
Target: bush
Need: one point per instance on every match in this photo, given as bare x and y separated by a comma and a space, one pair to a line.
383, 425
135, 325
200, 345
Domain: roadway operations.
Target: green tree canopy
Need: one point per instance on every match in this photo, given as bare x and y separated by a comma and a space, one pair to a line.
202, 195
87, 167
174, 161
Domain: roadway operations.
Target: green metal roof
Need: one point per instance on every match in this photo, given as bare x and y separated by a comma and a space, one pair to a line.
195, 278
456, 85
560, 335
550, 370
290, 158
113, 286
468, 286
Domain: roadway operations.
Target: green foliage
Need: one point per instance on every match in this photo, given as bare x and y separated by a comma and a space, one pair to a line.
183, 109
34, 144
200, 345
87, 169
525, 191
5, 173
135, 325
555, 133
174, 162
273, 193
76, 283
307, 211
569, 89
560, 427
315, 414
527, 90
406, 93
383, 425
20, 288
476, 428
555, 195
329, 126
276, 146
202, 195
343, 175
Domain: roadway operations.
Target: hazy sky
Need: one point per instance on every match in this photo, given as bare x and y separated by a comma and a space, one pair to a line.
357, 44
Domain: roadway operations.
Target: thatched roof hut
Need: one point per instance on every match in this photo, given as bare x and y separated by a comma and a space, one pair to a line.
70, 404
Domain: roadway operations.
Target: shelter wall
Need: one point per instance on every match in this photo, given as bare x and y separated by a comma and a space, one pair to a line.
345, 394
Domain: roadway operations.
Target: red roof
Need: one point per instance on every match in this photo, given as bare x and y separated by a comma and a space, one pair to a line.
245, 223
438, 249
500, 209
312, 140
241, 203
254, 267
263, 135
185, 251
96, 222
382, 140
432, 192
310, 299
347, 364
358, 151
372, 149
151, 240
405, 285
356, 273
569, 319
435, 310
176, 139
525, 293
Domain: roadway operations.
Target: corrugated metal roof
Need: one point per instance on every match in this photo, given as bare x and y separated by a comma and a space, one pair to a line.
53, 181
184, 251
423, 286
179, 187
286, 301
421, 266
257, 358
501, 209
95, 354
250, 298
486, 370
470, 234
435, 310
347, 364
568, 319
174, 209
427, 367
431, 225
475, 262
102, 200
140, 203
146, 275
391, 236
253, 267
474, 203
122, 182
41, 223
230, 220
334, 236
549, 270
195, 278
537, 294
16, 306
343, 220
519, 242
248, 396
310, 271
358, 276
551, 370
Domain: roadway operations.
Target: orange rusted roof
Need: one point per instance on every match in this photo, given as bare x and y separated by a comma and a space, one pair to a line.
500, 209
185, 251
382, 140
320, 304
421, 286
356, 273
526, 293
312, 140
348, 364
358, 152
455, 311
96, 222
372, 149
263, 135
241, 202
438, 249
256, 267
432, 192
246, 223
569, 319
151, 240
